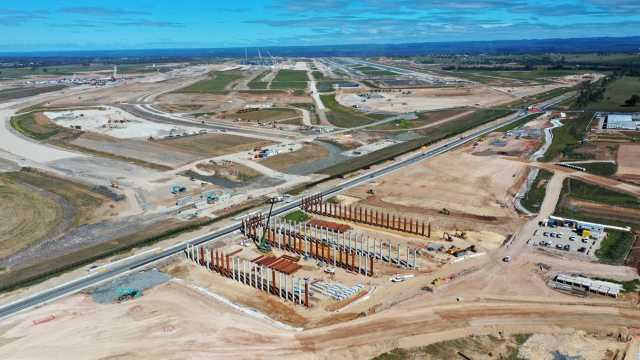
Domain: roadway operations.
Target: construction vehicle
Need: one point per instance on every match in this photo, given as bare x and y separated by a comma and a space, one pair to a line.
125, 294
263, 245
115, 185
178, 189
371, 192
447, 237
445, 211
461, 234
455, 251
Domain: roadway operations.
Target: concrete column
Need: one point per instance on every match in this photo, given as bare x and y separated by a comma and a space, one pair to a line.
234, 268
267, 279
366, 264
415, 253
398, 257
389, 252
334, 255
408, 263
286, 287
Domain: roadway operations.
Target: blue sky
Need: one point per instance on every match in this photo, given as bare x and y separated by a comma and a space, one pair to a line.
32, 25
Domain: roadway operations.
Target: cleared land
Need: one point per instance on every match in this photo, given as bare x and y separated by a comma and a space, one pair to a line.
471, 188
427, 99
230, 171
308, 153
217, 83
211, 145
17, 93
628, 164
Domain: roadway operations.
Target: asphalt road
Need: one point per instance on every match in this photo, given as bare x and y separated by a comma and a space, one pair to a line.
139, 263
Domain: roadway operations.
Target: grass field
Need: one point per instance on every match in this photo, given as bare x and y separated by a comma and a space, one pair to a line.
215, 84
616, 93
424, 118
27, 216
35, 126
585, 191
602, 169
615, 247
211, 145
15, 278
568, 137
291, 76
290, 79
342, 116
267, 115
30, 215
532, 201
257, 83
297, 216
317, 75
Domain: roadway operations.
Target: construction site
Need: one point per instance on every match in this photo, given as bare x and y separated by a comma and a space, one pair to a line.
273, 207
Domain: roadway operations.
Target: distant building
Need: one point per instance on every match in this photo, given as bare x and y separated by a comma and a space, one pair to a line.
622, 122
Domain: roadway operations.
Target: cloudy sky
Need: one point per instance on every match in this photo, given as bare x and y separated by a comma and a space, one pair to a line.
33, 25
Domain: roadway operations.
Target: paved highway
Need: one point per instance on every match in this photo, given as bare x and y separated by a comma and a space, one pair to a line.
140, 262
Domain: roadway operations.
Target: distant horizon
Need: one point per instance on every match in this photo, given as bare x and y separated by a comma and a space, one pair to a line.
620, 44
66, 25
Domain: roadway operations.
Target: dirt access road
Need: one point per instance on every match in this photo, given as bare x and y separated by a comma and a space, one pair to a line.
207, 329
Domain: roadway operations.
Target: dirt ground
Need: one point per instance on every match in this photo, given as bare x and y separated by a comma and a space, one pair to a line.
308, 153
628, 164
428, 99
580, 344
476, 190
229, 170
211, 145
